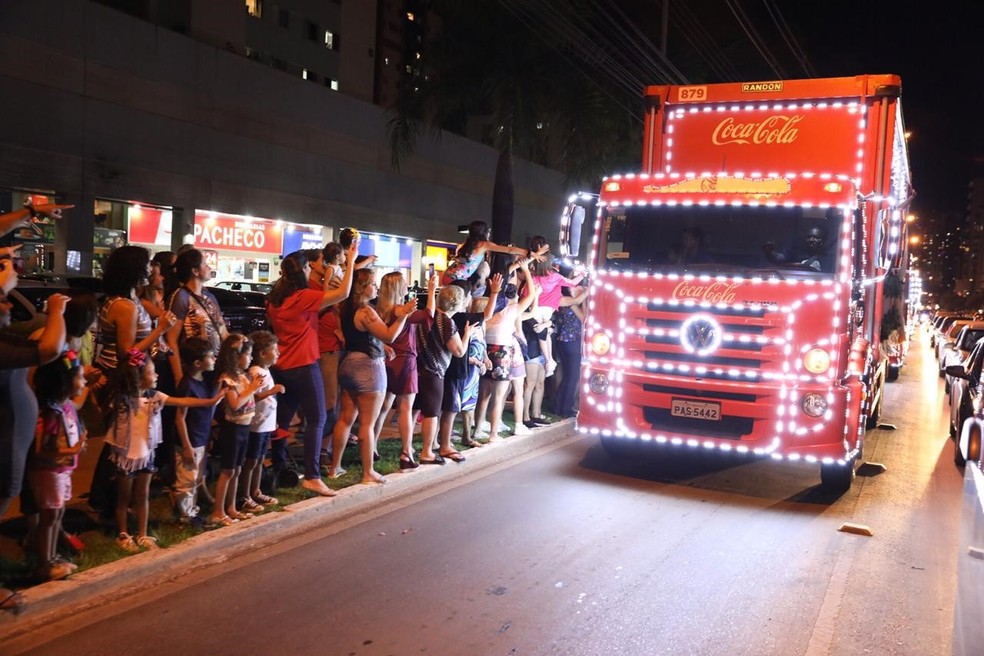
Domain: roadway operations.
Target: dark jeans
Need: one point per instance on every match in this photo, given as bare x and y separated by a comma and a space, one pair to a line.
305, 388
569, 355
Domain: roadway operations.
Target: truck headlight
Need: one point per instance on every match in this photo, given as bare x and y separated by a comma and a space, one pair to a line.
598, 383
601, 343
814, 404
816, 361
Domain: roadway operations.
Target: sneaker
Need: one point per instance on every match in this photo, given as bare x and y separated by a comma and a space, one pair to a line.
540, 421
147, 542
318, 486
251, 506
55, 571
61, 560
531, 424
125, 542
485, 427
338, 473
521, 430
265, 500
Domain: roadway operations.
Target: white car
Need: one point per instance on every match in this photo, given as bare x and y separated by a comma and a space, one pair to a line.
957, 351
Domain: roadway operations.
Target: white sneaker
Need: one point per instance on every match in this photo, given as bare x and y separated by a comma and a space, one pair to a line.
318, 486
521, 429
485, 427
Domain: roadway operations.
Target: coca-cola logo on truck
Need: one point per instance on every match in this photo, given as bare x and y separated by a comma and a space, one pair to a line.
777, 129
716, 292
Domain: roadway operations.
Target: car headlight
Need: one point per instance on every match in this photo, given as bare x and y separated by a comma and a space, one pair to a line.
814, 404
816, 361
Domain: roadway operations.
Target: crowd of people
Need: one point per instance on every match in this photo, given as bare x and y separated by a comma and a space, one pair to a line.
174, 387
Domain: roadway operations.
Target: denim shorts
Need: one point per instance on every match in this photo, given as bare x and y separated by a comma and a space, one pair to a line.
360, 373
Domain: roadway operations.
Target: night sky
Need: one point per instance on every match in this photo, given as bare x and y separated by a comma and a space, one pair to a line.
934, 45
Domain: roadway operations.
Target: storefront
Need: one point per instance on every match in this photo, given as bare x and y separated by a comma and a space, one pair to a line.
392, 254
250, 248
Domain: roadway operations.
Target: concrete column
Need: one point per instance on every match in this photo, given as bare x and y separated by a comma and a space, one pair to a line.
75, 233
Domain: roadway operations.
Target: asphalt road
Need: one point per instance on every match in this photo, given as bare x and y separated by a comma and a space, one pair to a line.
569, 552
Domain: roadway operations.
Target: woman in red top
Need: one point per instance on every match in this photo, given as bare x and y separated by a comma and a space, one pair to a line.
293, 310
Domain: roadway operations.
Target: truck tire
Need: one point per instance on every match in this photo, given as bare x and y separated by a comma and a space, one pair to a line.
836, 478
892, 375
973, 446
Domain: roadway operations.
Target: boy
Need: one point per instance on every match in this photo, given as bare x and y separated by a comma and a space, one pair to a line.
194, 427
265, 354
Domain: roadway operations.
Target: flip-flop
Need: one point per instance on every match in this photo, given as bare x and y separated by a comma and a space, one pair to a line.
11, 600
454, 455
472, 444
436, 460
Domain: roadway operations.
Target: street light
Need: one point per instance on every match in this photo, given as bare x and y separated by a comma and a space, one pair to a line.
915, 239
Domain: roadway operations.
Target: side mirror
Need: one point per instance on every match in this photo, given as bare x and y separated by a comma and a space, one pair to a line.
957, 371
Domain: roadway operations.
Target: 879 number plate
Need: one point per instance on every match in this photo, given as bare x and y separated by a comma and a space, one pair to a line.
695, 409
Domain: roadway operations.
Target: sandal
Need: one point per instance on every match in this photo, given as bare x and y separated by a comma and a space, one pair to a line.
215, 522
241, 515
11, 600
472, 444
454, 455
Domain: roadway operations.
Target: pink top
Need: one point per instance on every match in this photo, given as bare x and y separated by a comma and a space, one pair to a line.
296, 325
551, 284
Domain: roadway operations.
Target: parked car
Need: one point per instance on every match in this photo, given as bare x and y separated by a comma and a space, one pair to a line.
957, 352
965, 390
244, 312
88, 283
28, 300
243, 286
947, 337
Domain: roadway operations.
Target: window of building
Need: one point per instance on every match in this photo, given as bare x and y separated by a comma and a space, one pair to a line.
329, 40
410, 16
333, 84
312, 31
254, 8
283, 18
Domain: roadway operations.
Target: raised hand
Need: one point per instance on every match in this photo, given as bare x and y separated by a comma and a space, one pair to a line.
495, 283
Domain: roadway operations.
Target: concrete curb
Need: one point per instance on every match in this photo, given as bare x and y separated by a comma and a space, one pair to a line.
95, 587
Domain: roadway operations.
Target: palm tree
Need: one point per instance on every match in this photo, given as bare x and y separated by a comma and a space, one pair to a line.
538, 106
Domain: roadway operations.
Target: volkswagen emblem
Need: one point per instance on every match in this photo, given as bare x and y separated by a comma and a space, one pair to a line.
700, 334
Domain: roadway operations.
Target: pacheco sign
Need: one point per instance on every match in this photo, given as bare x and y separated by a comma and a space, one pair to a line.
229, 232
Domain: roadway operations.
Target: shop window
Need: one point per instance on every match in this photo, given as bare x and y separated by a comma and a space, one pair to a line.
254, 8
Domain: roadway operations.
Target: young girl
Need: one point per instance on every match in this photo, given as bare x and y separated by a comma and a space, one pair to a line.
134, 433
58, 440
264, 420
472, 253
239, 407
551, 283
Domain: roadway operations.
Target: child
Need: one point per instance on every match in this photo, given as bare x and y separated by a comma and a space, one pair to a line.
134, 433
58, 440
265, 354
551, 283
194, 425
238, 410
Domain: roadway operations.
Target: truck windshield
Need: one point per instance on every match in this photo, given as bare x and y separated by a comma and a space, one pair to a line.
767, 241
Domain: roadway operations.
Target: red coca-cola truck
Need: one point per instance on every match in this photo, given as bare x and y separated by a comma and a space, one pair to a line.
737, 280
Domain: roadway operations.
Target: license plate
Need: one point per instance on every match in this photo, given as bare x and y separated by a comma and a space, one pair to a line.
695, 409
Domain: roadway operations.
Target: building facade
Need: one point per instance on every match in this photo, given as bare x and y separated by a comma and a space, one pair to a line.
127, 118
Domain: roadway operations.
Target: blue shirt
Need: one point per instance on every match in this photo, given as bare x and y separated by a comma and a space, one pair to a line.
198, 420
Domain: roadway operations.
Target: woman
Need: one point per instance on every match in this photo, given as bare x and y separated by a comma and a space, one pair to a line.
124, 323
293, 308
195, 310
18, 405
508, 368
441, 342
329, 345
568, 325
533, 333
401, 369
362, 374
472, 253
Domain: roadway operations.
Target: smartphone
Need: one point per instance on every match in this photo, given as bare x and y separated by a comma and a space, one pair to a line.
430, 270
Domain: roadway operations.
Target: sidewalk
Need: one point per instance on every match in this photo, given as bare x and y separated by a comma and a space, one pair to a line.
99, 585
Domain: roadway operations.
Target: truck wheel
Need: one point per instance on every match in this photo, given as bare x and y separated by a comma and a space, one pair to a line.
837, 478
892, 375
